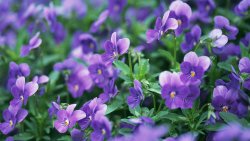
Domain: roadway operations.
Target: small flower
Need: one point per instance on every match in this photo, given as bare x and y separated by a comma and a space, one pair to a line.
110, 91
244, 67
218, 39
246, 39
115, 7
67, 118
34, 42
242, 7
55, 107
91, 108
136, 95
193, 67
191, 39
12, 116
114, 48
102, 128
161, 26
22, 91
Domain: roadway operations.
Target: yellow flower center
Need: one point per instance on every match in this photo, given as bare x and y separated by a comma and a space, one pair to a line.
21, 97
66, 122
103, 132
224, 108
172, 94
76, 87
99, 71
179, 22
192, 73
11, 122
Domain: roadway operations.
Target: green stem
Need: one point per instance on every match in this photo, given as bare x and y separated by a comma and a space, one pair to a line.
175, 47
159, 108
130, 65
154, 100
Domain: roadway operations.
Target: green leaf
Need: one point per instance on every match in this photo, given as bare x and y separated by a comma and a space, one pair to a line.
135, 111
160, 115
23, 136
155, 87
229, 117
244, 50
166, 54
214, 127
122, 66
115, 104
141, 69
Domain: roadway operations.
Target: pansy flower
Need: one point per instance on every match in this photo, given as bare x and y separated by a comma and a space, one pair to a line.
22, 91
110, 91
68, 118
218, 39
11, 117
136, 95
34, 42
191, 39
244, 67
193, 67
114, 48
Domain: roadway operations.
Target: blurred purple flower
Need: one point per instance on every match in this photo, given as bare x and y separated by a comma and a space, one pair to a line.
12, 116
16, 71
87, 43
114, 48
102, 128
67, 118
246, 39
69, 7
101, 19
218, 39
115, 8
34, 42
191, 39
77, 135
21, 91
136, 95
242, 7
91, 108
194, 67
67, 64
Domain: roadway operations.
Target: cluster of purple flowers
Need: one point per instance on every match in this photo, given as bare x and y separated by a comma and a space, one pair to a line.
181, 89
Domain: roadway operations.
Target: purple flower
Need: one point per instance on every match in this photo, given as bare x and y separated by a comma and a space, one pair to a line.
91, 108
21, 91
161, 26
41, 79
182, 13
79, 81
102, 128
232, 132
246, 39
242, 7
114, 48
227, 51
55, 107
77, 135
191, 39
101, 19
218, 39
136, 95
16, 71
86, 41
67, 64
206, 6
12, 116
193, 67
173, 90
69, 7
115, 7
147, 133
224, 100
67, 118
34, 42
223, 24
110, 91
244, 67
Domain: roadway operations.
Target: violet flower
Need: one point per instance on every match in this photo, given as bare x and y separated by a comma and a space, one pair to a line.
218, 39
55, 107
161, 26
86, 41
115, 7
114, 48
182, 12
77, 135
242, 7
173, 90
110, 91
11, 117
91, 108
193, 67
21, 91
191, 39
68, 118
136, 95
67, 64
34, 42
16, 71
244, 67
223, 24
224, 100
102, 128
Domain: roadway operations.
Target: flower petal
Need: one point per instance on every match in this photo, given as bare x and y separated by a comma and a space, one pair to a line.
123, 45
31, 88
164, 78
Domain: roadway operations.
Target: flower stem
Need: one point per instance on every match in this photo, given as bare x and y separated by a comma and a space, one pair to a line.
175, 44
130, 65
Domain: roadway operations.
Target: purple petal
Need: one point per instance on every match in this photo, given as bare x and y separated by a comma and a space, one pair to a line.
215, 33
70, 109
21, 115
113, 38
219, 91
43, 79
25, 69
25, 50
60, 127
192, 58
220, 21
61, 115
78, 115
152, 35
221, 41
171, 24
164, 78
165, 17
204, 62
123, 45
244, 65
20, 83
31, 88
